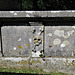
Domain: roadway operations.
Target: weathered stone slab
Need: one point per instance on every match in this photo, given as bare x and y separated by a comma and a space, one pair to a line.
61, 14
14, 62
33, 14
59, 41
16, 40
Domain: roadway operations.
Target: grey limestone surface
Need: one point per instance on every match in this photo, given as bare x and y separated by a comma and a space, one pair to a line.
37, 63
65, 65
16, 40
67, 13
37, 37
59, 41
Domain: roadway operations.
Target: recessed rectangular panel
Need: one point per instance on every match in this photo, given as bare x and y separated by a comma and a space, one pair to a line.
16, 40
59, 41
37, 40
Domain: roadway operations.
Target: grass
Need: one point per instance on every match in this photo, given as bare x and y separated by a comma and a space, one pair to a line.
29, 71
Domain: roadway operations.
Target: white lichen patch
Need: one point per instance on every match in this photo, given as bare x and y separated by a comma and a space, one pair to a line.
27, 15
30, 40
65, 36
55, 11
30, 12
39, 33
11, 11
62, 45
59, 33
73, 27
69, 33
56, 41
15, 14
41, 28
14, 48
19, 39
49, 34
36, 54
66, 42
72, 53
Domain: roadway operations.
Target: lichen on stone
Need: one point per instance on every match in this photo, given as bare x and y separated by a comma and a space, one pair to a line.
32, 62
38, 61
20, 47
24, 62
57, 41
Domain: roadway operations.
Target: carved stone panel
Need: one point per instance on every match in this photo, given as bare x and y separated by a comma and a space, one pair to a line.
37, 40
59, 41
16, 40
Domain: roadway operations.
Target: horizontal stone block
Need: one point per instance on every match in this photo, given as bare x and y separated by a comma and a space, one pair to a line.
14, 62
61, 14
64, 65
68, 13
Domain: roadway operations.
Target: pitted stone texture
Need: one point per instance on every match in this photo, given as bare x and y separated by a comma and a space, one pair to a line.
61, 14
59, 41
14, 62
37, 63
43, 14
16, 40
37, 38
20, 14
67, 13
65, 65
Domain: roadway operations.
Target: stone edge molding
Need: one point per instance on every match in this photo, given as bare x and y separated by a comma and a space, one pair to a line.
28, 14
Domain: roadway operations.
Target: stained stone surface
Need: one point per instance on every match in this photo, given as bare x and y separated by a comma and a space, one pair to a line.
59, 41
37, 40
64, 65
37, 63
68, 13
16, 40
14, 62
